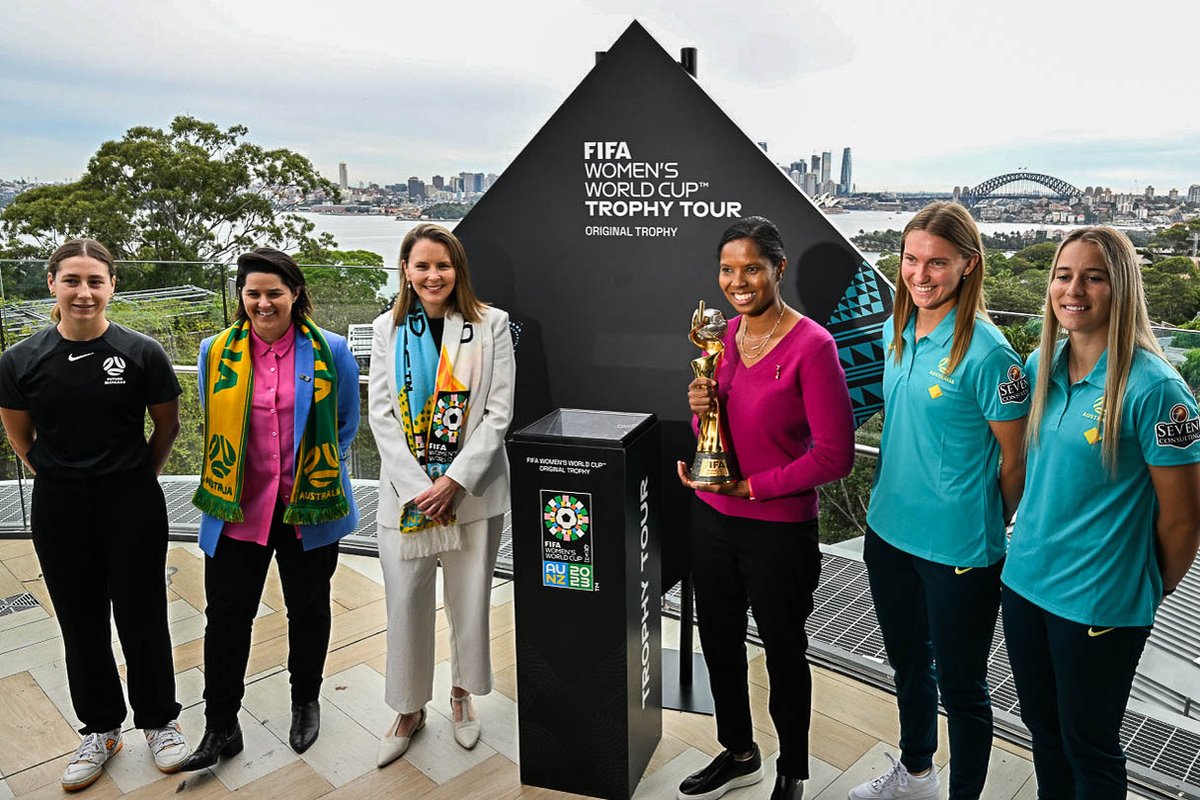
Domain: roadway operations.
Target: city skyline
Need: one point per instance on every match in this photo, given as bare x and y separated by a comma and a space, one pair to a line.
929, 97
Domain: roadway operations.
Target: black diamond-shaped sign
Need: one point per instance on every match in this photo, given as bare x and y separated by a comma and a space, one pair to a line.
600, 238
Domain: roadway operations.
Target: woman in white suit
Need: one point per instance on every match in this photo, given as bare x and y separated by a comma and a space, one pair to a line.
441, 393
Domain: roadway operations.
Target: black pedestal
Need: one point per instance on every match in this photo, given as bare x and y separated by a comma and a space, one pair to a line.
586, 568
685, 683
685, 675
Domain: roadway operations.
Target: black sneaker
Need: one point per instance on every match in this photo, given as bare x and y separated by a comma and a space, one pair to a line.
724, 773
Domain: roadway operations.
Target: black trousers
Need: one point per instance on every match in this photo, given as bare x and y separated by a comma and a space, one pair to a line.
937, 623
233, 583
1073, 682
771, 568
102, 544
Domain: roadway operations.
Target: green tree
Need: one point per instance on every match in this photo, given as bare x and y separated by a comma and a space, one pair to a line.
843, 504
350, 275
1190, 369
1016, 293
1176, 265
1171, 299
1017, 265
1187, 341
345, 288
878, 241
996, 262
446, 210
193, 192
1022, 337
889, 265
1176, 239
1040, 255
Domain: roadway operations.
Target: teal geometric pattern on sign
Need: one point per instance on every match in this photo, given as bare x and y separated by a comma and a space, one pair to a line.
857, 327
862, 299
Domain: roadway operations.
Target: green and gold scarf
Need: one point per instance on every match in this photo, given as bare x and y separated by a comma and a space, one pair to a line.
317, 494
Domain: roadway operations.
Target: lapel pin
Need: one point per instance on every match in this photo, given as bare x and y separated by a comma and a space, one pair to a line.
305, 378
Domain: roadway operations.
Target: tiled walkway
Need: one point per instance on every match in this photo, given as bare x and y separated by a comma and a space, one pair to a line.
853, 725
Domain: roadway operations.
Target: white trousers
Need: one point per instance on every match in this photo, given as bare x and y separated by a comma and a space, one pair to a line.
409, 585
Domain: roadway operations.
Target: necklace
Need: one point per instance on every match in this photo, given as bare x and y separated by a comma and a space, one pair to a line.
753, 351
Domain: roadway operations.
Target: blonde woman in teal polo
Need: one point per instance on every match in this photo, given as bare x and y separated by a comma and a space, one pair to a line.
1111, 521
950, 474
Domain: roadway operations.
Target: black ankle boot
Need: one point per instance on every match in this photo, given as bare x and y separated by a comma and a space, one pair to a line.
226, 742
787, 788
306, 725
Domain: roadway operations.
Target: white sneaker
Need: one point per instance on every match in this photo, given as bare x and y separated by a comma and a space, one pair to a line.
897, 784
86, 765
168, 747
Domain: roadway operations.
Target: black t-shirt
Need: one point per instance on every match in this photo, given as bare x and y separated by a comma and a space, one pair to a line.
88, 399
436, 326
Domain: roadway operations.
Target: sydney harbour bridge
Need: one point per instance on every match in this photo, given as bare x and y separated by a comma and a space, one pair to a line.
1020, 185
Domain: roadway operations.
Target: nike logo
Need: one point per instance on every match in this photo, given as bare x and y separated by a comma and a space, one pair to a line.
962, 570
1092, 632
74, 357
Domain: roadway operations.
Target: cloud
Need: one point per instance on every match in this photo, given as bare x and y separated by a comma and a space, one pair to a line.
918, 89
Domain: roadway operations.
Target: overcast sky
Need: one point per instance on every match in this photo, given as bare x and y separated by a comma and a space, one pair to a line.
928, 94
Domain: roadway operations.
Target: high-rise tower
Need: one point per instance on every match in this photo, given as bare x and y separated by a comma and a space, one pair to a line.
343, 182
416, 189
846, 185
826, 166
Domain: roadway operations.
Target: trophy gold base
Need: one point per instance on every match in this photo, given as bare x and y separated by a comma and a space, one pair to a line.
710, 467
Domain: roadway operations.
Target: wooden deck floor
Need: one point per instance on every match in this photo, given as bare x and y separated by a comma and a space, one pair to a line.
853, 725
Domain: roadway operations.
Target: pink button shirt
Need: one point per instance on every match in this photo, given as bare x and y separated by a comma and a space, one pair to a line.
270, 459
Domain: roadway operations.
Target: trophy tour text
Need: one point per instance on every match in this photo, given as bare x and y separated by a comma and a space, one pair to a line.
618, 187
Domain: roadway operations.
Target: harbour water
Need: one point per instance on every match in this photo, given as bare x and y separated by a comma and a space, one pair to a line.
382, 234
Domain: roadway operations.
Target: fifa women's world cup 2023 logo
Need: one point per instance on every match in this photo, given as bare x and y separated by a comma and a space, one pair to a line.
713, 464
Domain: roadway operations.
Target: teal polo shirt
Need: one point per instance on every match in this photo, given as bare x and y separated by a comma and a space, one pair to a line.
937, 484
1083, 544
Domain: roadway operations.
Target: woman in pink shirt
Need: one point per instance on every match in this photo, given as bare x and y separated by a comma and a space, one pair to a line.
281, 407
787, 420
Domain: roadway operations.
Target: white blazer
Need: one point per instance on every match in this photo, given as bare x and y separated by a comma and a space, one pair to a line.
481, 466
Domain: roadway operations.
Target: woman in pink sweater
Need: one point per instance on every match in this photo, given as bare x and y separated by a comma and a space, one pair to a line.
787, 419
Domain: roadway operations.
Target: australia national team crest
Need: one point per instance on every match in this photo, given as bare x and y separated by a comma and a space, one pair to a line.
114, 368
1182, 430
567, 541
1016, 388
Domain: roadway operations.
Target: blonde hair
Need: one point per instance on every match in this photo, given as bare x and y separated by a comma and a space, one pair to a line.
463, 298
953, 223
1128, 329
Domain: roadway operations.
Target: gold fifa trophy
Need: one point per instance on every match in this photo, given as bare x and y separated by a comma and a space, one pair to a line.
712, 464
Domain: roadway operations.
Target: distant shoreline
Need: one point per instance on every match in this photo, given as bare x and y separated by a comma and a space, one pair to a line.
393, 216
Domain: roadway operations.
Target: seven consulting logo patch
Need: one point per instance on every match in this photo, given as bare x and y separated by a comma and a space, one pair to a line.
1016, 388
567, 536
1181, 431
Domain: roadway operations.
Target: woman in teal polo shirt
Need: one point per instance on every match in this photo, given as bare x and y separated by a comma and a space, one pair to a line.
955, 401
1111, 521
